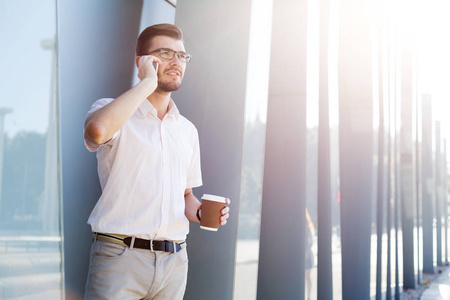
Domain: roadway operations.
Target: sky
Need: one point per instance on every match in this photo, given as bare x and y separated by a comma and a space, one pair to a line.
25, 73
432, 27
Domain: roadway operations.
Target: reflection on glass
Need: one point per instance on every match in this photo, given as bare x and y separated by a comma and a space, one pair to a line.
30, 234
247, 253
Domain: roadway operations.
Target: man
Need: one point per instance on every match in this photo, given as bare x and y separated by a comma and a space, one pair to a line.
148, 162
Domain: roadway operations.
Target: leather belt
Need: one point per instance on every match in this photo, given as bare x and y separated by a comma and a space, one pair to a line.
134, 242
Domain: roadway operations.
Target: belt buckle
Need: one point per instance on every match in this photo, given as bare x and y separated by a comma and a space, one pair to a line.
151, 246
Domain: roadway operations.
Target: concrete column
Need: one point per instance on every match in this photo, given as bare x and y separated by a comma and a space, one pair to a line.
3, 111
398, 191
324, 215
439, 194
418, 173
50, 209
356, 146
213, 97
408, 168
428, 196
381, 201
390, 200
445, 199
382, 176
383, 151
281, 273
96, 59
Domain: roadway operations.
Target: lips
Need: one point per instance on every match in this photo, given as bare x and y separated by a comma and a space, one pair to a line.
173, 72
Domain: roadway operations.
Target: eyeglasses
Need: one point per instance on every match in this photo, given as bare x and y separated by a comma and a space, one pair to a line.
169, 54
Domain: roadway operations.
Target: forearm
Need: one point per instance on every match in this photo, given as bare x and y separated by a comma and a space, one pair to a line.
191, 206
103, 123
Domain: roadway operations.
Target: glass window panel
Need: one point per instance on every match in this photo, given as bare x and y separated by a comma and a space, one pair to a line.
30, 231
247, 255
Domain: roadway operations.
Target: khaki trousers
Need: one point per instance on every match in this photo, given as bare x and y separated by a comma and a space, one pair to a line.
117, 272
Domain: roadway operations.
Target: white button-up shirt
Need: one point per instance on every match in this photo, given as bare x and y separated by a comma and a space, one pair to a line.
144, 170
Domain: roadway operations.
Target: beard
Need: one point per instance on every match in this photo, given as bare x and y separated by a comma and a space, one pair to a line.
168, 86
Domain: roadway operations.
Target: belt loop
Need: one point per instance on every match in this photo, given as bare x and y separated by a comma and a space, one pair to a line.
174, 247
132, 242
95, 236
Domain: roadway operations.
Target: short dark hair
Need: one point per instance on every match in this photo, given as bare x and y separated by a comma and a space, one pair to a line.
145, 38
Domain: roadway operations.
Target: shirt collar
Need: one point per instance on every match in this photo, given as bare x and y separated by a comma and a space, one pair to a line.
173, 110
147, 107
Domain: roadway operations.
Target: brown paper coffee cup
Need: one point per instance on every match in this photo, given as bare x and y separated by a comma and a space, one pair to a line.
211, 207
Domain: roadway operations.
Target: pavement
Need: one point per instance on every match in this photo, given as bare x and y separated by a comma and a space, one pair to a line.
439, 287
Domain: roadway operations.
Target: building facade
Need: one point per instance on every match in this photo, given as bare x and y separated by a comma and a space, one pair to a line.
310, 120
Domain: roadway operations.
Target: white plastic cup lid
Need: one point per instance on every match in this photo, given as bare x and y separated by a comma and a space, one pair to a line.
213, 198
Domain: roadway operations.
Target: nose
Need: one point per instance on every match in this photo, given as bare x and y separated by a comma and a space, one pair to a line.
176, 60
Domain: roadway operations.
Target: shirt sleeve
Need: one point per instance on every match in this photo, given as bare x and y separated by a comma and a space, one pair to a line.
92, 147
194, 176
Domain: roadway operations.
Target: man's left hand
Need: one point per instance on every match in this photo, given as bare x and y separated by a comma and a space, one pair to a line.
225, 212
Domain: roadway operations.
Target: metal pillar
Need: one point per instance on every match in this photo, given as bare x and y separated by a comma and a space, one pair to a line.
428, 201
102, 67
324, 215
418, 191
356, 146
383, 151
281, 273
445, 199
3, 112
408, 169
212, 96
438, 190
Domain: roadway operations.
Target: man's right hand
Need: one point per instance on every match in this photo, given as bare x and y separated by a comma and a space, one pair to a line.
102, 124
146, 67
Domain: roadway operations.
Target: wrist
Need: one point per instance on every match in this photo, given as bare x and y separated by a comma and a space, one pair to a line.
149, 83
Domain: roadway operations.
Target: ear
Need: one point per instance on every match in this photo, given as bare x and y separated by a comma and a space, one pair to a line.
137, 61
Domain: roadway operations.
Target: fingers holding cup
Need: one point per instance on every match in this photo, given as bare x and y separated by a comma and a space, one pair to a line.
214, 212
